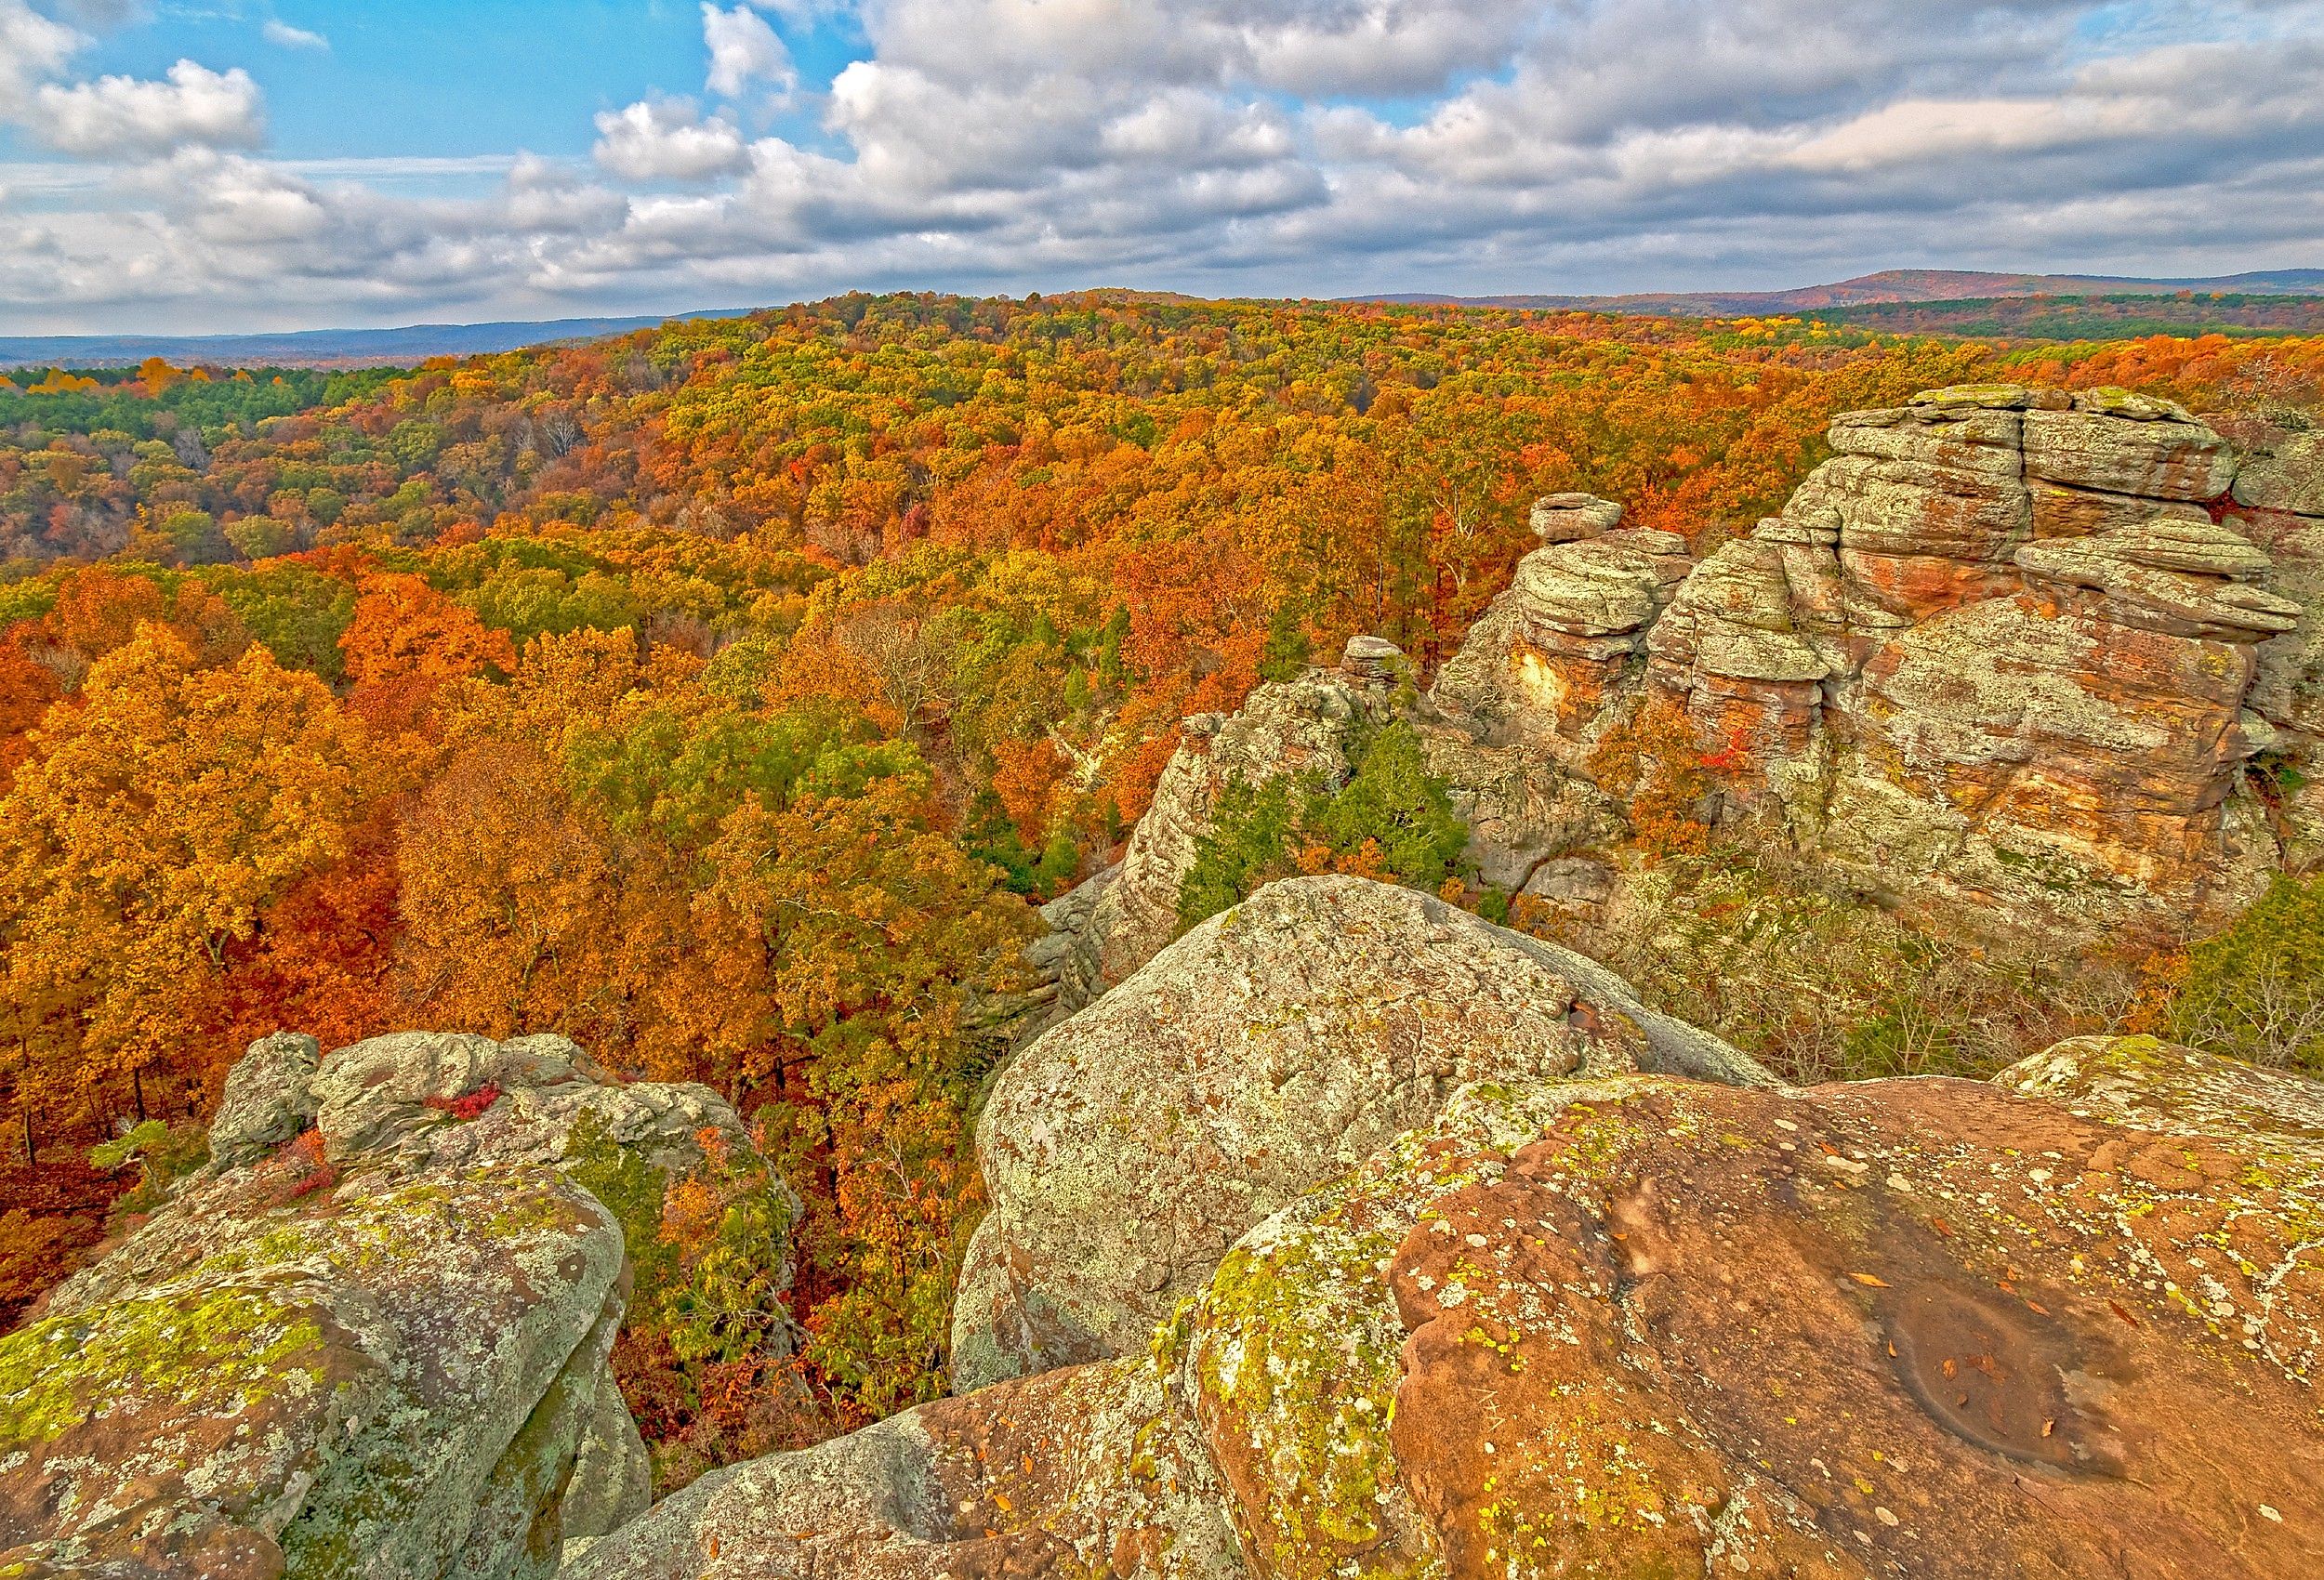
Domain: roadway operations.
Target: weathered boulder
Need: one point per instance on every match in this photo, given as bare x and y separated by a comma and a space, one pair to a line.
269, 1098
1268, 1049
386, 1098
1119, 920
396, 1384
1092, 1469
2284, 471
1372, 660
1647, 1326
377, 1346
2182, 578
1569, 518
1639, 1324
2124, 444
2008, 654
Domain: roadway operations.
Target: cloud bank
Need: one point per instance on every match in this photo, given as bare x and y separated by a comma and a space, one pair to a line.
1278, 147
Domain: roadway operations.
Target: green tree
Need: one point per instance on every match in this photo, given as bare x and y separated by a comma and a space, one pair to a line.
2257, 991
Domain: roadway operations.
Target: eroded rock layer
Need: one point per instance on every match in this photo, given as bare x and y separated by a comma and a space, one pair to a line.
1267, 1050
2009, 653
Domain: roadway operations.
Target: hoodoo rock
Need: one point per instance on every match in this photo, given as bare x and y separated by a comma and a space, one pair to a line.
1270, 1048
377, 1346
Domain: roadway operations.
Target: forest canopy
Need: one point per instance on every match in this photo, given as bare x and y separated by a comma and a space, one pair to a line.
727, 695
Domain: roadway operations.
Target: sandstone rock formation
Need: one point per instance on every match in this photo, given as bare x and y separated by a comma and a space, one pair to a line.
378, 1348
1115, 923
1912, 1326
1626, 1323
1273, 1047
2009, 652
1094, 1469
1574, 620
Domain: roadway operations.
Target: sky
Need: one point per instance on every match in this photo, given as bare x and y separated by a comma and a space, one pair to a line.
237, 166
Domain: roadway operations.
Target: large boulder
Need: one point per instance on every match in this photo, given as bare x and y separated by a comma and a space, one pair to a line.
377, 1346
1639, 1324
1657, 1327
1270, 1048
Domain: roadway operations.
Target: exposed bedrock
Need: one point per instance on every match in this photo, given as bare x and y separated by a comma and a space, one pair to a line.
1270, 1048
1586, 1320
370, 1338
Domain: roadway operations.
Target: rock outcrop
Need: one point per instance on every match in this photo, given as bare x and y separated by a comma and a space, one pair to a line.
1270, 1048
1094, 1469
1109, 927
369, 1338
1590, 1319
2007, 654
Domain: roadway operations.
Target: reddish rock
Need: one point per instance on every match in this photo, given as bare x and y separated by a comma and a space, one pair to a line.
1907, 1327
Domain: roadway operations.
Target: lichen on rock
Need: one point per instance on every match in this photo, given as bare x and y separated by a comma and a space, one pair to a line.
1267, 1050
381, 1354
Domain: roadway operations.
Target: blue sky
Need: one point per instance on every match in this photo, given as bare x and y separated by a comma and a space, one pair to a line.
444, 77
280, 164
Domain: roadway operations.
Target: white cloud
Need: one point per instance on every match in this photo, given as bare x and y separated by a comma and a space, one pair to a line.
668, 140
1245, 146
120, 115
743, 50
279, 32
32, 48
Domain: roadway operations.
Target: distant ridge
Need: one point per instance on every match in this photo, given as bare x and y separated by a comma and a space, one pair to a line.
1895, 285
323, 347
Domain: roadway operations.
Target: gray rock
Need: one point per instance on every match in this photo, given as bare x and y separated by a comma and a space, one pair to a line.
1571, 518
1088, 1471
268, 1099
386, 1098
1263, 1052
2131, 446
389, 1359
1571, 880
2287, 476
613, 1476
1371, 660
1117, 921
390, 1386
2149, 579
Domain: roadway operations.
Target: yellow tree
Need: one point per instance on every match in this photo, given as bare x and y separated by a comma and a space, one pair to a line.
146, 835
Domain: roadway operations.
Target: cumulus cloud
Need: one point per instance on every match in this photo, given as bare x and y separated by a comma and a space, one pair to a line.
279, 32
1270, 146
32, 48
743, 49
121, 115
668, 140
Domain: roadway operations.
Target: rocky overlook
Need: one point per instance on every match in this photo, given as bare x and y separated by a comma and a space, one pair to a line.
1584, 1317
370, 1337
1346, 1232
1445, 1258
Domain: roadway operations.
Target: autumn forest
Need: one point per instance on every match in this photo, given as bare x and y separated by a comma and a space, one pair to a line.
728, 697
